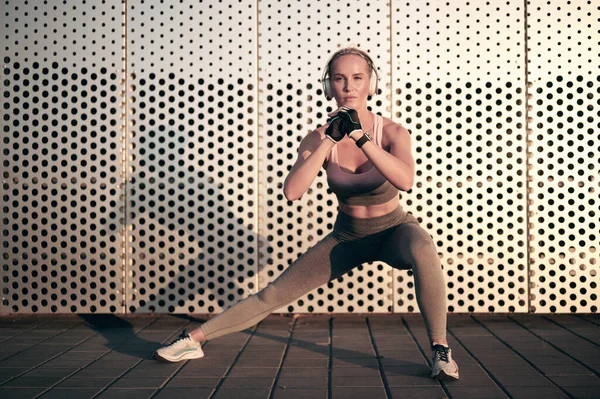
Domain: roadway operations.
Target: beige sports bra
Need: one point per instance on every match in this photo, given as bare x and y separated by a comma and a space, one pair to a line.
366, 188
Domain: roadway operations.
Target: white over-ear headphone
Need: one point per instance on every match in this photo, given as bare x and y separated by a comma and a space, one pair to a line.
326, 81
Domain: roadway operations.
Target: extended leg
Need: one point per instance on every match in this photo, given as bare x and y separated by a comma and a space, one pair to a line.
327, 260
308, 272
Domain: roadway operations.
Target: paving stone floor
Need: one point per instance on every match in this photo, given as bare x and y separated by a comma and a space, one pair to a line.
323, 356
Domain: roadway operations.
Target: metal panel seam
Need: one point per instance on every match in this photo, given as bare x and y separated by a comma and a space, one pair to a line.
125, 167
257, 160
528, 158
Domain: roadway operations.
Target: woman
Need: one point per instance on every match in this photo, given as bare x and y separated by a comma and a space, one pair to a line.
367, 159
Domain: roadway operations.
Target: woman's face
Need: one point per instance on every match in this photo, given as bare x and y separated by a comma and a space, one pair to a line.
349, 77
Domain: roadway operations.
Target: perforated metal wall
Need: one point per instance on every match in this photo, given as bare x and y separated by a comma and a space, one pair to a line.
193, 156
145, 145
459, 85
564, 78
61, 156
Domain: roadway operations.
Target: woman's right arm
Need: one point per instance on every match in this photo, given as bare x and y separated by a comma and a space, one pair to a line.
312, 153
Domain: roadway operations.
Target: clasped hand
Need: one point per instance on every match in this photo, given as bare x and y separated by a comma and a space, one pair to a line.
343, 121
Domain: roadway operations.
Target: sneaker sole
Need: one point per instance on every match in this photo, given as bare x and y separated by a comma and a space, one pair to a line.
175, 360
443, 376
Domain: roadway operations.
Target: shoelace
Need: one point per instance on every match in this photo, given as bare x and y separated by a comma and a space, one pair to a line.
183, 335
441, 352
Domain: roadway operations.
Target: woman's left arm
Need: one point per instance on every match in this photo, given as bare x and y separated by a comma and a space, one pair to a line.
397, 165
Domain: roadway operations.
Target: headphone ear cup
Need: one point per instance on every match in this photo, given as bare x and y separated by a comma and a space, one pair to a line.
327, 88
373, 84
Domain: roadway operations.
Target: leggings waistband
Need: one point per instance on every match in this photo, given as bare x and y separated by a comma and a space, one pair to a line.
347, 227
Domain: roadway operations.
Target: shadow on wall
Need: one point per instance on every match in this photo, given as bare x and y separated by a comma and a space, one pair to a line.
193, 246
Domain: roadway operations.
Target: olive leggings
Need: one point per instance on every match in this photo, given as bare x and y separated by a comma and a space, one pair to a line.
395, 238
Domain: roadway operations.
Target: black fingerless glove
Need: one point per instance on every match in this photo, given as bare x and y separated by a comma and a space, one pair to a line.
350, 122
333, 131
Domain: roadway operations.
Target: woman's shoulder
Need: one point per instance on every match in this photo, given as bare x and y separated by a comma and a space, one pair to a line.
391, 127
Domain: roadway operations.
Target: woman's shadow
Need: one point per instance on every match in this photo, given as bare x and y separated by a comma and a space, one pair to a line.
187, 256
191, 240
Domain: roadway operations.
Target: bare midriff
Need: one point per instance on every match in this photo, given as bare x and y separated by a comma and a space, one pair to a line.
369, 211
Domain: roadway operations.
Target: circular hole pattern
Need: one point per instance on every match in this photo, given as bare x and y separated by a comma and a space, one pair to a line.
61, 189
565, 136
460, 91
199, 189
192, 194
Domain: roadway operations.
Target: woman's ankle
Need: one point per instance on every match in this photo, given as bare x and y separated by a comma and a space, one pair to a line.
198, 336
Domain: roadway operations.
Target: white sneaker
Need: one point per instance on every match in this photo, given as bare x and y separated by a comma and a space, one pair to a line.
444, 367
184, 347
